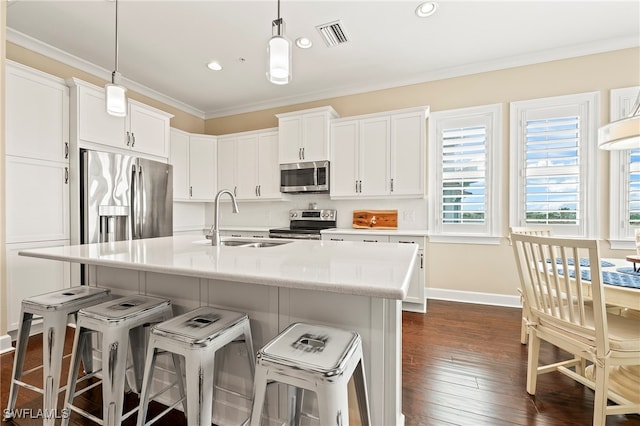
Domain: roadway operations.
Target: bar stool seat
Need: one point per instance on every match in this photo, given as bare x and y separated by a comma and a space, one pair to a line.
121, 324
54, 308
318, 359
196, 335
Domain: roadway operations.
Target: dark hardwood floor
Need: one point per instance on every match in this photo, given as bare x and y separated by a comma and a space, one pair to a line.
462, 364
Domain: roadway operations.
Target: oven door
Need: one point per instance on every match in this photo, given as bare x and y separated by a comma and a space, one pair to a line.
311, 176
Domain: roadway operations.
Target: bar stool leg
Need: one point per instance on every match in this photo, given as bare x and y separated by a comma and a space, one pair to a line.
333, 404
137, 340
199, 372
260, 390
18, 360
52, 350
361, 394
149, 368
80, 340
114, 363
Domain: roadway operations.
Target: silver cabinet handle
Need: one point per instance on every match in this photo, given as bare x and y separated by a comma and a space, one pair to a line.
303, 153
259, 190
391, 184
191, 191
407, 242
66, 175
66, 150
337, 239
421, 261
128, 139
299, 153
256, 190
369, 241
235, 191
133, 139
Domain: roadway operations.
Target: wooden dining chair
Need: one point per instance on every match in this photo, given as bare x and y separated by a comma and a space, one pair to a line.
527, 230
567, 309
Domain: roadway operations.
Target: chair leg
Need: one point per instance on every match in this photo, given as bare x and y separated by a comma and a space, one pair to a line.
18, 362
333, 404
137, 340
259, 392
80, 340
114, 363
200, 380
149, 368
532, 363
52, 351
601, 375
361, 393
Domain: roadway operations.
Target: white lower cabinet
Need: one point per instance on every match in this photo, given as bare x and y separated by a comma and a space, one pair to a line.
28, 276
416, 299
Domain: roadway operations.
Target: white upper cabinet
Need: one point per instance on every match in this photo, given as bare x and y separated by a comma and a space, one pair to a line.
144, 130
194, 166
304, 135
248, 165
379, 155
37, 114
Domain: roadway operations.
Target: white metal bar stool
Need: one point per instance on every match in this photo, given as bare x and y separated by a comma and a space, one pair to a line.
120, 323
54, 308
315, 358
197, 336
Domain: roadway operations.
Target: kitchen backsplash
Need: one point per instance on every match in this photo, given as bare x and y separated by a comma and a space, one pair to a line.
412, 214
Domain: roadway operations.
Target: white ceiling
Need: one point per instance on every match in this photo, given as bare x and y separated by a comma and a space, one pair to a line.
165, 45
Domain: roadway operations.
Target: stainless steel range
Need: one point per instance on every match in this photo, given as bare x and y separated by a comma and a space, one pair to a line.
306, 224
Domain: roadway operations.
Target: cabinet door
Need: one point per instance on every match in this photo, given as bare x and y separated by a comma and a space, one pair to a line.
149, 130
37, 115
374, 156
315, 136
344, 159
179, 158
407, 154
416, 300
94, 124
227, 159
290, 139
28, 276
247, 167
268, 167
37, 200
202, 167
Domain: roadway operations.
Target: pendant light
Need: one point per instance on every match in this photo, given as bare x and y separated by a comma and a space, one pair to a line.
279, 53
623, 133
115, 94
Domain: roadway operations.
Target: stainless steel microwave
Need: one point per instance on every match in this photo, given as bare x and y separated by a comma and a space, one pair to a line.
309, 176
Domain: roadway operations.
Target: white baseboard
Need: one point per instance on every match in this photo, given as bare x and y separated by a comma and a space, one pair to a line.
5, 344
474, 297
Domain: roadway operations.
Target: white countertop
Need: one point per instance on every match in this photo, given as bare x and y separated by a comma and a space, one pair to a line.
376, 270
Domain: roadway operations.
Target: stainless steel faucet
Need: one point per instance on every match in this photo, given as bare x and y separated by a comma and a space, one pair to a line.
215, 229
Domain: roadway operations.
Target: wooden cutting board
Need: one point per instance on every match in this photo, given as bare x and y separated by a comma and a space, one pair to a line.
375, 219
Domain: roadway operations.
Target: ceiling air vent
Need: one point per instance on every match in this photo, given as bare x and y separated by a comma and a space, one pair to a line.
333, 33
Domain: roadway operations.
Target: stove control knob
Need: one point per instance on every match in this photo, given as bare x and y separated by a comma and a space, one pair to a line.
293, 214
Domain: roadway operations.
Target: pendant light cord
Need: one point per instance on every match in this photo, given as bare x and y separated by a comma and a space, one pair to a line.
113, 74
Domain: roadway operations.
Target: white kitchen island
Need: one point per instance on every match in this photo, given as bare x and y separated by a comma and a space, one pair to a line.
352, 285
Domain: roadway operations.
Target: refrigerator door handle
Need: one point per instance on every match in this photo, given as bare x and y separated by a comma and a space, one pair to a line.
140, 193
134, 202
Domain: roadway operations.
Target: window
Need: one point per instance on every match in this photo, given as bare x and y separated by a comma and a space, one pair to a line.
465, 156
554, 164
624, 178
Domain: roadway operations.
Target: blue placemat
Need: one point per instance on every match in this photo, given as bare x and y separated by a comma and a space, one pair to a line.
628, 270
584, 262
608, 277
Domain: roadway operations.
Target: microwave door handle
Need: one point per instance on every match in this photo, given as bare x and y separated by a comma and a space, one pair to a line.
316, 172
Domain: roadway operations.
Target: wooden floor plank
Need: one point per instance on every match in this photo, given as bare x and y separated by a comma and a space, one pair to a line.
463, 364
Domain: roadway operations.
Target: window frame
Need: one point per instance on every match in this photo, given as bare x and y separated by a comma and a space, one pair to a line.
469, 233
621, 233
588, 106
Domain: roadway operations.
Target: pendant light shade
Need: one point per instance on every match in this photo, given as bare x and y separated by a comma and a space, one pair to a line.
622, 134
115, 94
278, 53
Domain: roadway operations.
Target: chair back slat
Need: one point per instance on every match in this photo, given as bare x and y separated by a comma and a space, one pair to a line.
562, 283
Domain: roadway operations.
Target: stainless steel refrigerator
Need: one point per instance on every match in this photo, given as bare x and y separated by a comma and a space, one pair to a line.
124, 197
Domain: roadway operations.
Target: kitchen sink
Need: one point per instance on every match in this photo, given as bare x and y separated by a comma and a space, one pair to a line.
255, 243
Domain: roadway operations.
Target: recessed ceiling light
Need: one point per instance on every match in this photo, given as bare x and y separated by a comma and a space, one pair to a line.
426, 9
214, 65
303, 43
